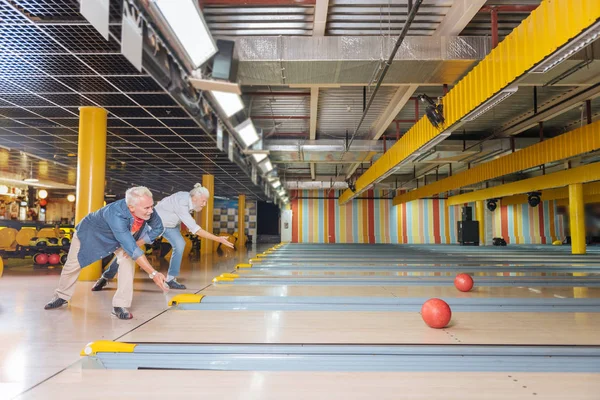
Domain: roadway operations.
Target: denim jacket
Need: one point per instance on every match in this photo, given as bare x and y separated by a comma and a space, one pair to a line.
104, 231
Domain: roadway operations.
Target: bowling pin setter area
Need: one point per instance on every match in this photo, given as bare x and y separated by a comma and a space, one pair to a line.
306, 320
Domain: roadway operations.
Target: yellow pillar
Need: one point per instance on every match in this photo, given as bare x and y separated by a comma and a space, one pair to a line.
480, 216
241, 242
577, 218
91, 166
206, 215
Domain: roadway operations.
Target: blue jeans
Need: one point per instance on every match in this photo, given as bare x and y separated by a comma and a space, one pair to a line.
173, 236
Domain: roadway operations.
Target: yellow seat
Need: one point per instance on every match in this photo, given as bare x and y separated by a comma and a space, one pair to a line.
48, 233
25, 235
7, 238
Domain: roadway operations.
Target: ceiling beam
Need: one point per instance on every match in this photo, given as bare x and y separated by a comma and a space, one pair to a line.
458, 17
320, 20
583, 174
510, 8
204, 3
589, 190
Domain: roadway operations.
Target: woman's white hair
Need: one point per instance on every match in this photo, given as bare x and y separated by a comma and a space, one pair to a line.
134, 194
199, 190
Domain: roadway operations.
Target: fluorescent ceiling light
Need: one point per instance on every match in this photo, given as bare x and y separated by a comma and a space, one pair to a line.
247, 133
266, 166
258, 157
491, 103
572, 47
276, 184
187, 23
230, 103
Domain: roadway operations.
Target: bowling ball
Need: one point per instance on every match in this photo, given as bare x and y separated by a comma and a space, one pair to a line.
463, 282
54, 259
436, 313
40, 258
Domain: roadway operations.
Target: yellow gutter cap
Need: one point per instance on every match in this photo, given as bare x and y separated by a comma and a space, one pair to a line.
223, 279
107, 346
186, 298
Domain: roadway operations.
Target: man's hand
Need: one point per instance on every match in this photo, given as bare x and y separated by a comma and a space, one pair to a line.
223, 240
159, 280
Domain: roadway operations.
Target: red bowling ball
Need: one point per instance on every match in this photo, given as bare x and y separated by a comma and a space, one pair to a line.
54, 259
40, 258
463, 282
436, 313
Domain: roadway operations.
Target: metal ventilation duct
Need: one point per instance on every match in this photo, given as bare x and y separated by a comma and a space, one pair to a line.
346, 60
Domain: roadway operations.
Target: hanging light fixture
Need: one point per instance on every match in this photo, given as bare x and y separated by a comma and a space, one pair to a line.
31, 179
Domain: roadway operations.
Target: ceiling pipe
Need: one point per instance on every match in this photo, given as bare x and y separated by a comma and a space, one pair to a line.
409, 19
509, 8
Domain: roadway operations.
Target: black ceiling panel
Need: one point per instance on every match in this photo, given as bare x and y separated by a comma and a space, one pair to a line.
167, 112
153, 99
68, 99
14, 65
26, 39
8, 15
25, 100
81, 39
180, 123
38, 84
65, 64
56, 112
127, 112
109, 64
109, 99
135, 83
145, 122
85, 84
15, 112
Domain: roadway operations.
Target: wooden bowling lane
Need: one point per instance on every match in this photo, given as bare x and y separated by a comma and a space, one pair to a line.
310, 327
149, 384
401, 291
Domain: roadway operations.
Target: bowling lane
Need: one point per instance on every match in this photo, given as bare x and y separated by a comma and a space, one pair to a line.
314, 327
405, 291
147, 384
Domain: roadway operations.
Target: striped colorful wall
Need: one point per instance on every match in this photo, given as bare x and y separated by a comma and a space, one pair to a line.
524, 224
317, 217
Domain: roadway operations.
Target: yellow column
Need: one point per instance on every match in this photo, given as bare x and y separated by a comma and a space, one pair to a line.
577, 218
91, 166
480, 216
206, 215
241, 242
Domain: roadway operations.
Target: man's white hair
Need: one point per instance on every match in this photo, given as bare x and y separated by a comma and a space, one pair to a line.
134, 194
199, 190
